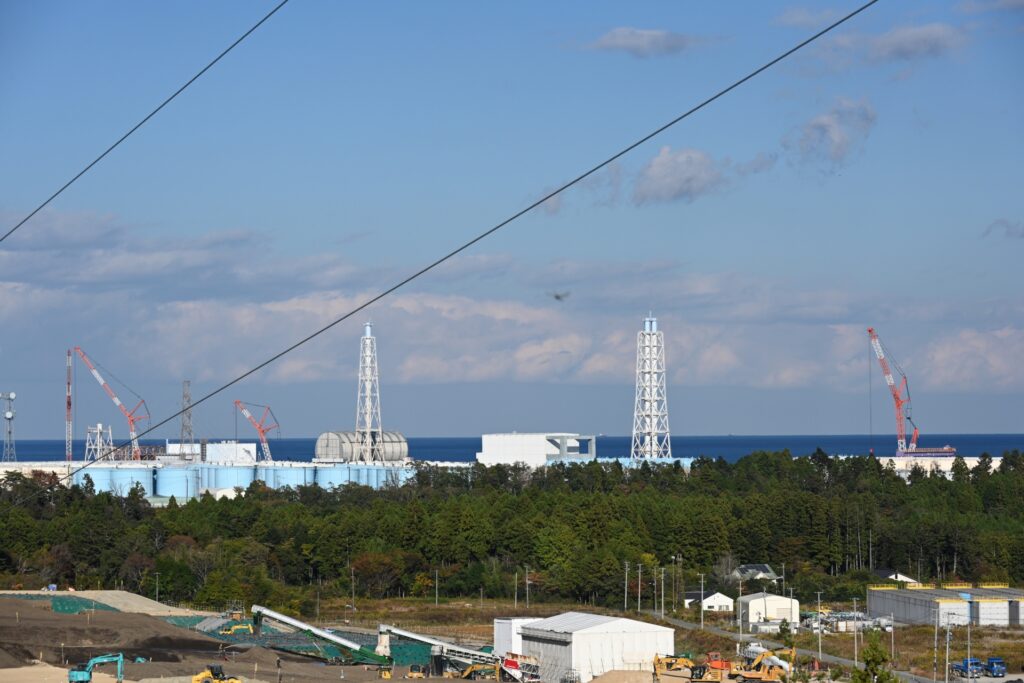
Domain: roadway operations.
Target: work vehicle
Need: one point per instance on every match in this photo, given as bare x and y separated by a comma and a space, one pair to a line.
477, 671
82, 673
768, 666
714, 660
995, 667
214, 673
384, 672
680, 667
417, 671
968, 668
237, 628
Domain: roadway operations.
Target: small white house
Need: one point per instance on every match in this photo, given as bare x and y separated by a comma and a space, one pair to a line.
578, 646
712, 602
760, 607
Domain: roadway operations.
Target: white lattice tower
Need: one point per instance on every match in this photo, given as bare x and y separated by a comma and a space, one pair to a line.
650, 414
9, 451
368, 430
98, 444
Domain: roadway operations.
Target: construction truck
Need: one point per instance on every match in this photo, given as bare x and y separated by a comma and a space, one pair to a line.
995, 667
214, 673
82, 673
236, 629
767, 666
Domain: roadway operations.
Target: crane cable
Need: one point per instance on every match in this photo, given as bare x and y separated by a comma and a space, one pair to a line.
466, 245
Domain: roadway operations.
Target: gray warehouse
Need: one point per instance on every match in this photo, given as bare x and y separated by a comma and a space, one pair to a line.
985, 604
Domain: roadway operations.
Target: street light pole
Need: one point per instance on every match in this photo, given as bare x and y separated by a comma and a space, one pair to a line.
856, 623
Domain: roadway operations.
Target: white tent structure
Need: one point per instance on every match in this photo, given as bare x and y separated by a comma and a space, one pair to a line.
578, 647
760, 607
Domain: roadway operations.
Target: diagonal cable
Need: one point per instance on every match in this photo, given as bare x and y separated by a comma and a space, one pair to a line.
141, 123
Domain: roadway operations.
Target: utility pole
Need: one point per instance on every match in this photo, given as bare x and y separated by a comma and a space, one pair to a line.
639, 584
783, 578
625, 590
662, 592
673, 584
947, 648
352, 581
739, 610
892, 624
527, 586
515, 600
819, 627
158, 586
968, 641
935, 652
435, 589
701, 602
856, 624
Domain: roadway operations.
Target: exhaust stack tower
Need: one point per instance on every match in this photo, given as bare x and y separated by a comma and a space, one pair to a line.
368, 428
650, 414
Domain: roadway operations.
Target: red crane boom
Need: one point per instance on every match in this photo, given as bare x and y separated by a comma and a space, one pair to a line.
129, 415
260, 425
900, 396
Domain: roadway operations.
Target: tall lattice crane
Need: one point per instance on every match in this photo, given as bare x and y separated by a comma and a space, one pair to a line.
133, 416
900, 396
261, 425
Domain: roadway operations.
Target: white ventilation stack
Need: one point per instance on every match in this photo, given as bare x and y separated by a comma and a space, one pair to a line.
650, 414
368, 429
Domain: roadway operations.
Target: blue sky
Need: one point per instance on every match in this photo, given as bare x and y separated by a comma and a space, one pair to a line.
873, 179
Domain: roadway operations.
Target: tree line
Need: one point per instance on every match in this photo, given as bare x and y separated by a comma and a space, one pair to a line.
575, 526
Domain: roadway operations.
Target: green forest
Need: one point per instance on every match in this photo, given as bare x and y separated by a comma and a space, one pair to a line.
829, 520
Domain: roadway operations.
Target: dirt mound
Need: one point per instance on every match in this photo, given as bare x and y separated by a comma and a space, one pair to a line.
30, 630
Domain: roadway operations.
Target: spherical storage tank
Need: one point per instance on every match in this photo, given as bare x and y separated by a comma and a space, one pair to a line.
344, 447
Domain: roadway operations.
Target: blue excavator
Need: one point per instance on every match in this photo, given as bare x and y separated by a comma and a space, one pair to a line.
82, 673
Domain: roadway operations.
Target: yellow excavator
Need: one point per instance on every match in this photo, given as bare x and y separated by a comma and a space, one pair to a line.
768, 667
475, 671
214, 673
237, 628
672, 667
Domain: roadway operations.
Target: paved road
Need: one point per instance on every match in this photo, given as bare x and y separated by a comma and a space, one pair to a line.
746, 637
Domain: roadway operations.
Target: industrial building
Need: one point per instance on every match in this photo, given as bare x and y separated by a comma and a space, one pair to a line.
578, 647
711, 602
508, 635
534, 450
986, 604
766, 607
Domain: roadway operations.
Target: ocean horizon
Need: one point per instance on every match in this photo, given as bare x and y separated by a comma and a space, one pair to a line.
731, 448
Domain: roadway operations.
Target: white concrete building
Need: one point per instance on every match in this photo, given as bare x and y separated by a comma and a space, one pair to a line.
534, 450
759, 607
713, 602
508, 635
576, 646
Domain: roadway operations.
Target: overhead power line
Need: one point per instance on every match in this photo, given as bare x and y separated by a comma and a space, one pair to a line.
490, 231
141, 123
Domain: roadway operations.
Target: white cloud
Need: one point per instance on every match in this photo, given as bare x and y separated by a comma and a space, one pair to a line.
644, 42
829, 138
914, 42
975, 359
678, 174
1009, 229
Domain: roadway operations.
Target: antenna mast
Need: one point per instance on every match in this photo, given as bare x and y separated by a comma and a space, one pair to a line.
9, 451
68, 426
650, 413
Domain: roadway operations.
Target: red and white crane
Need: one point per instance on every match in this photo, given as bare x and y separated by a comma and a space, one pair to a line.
900, 396
68, 427
129, 415
261, 425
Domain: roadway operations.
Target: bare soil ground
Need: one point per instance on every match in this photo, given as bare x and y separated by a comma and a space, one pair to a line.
30, 631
